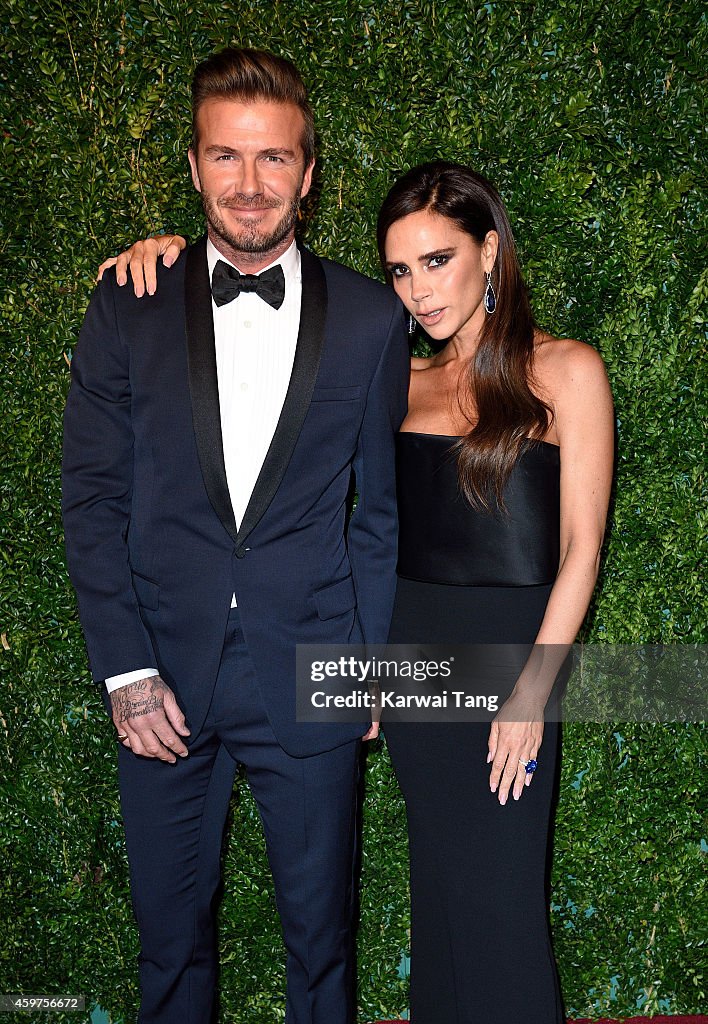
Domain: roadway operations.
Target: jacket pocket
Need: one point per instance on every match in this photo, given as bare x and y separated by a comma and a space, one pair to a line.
146, 591
336, 599
348, 394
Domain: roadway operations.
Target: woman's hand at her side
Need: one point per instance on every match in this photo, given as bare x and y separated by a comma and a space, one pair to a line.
573, 375
515, 735
141, 258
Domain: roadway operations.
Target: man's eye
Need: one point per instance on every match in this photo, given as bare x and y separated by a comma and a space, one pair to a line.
274, 159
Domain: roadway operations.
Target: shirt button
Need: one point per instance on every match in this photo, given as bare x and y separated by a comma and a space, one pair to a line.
247, 323
244, 386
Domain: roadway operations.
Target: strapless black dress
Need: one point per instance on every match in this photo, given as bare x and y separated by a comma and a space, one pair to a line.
480, 936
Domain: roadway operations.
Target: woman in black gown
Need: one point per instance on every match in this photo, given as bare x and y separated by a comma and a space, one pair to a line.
502, 417
504, 464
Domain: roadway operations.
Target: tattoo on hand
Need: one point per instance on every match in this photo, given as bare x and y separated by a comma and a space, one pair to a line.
150, 705
133, 701
137, 687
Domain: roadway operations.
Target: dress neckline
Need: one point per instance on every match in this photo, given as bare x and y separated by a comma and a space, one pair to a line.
458, 437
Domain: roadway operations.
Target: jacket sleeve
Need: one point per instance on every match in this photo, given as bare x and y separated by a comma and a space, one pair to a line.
97, 478
373, 529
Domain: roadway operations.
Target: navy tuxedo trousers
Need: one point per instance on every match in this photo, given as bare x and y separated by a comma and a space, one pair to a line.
174, 819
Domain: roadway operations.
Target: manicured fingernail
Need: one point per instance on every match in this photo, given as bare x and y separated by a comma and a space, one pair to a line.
502, 800
517, 794
168, 260
151, 291
489, 757
493, 787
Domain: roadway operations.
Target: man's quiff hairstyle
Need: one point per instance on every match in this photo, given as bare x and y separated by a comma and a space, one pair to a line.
251, 75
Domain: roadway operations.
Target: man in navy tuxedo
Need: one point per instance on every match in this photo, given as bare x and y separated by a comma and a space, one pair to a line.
211, 434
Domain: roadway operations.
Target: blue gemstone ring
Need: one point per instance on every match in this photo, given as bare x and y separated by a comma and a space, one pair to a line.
530, 766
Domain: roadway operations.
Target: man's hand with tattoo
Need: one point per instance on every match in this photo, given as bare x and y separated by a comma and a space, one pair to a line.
149, 719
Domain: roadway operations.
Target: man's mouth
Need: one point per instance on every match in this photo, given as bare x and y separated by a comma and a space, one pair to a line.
238, 206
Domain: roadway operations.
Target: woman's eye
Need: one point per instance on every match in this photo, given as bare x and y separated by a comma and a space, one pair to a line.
398, 271
438, 261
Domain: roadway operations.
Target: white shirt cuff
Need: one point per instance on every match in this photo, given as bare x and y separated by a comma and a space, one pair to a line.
113, 682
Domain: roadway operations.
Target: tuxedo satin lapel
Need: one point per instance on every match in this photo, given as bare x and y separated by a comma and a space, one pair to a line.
203, 383
310, 339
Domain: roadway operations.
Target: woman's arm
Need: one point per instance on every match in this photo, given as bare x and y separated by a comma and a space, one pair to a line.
141, 257
575, 378
585, 425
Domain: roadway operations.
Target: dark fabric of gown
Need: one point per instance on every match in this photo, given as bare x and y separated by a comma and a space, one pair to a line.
480, 937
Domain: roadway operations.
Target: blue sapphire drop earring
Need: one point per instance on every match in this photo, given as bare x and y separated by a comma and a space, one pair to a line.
490, 299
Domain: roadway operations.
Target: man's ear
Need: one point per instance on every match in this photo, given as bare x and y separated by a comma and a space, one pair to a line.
193, 167
306, 179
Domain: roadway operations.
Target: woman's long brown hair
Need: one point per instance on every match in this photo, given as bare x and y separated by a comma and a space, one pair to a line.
497, 381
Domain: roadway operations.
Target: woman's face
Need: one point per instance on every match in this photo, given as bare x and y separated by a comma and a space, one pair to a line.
438, 273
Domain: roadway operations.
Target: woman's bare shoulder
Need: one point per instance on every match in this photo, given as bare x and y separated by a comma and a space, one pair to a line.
558, 359
421, 362
572, 376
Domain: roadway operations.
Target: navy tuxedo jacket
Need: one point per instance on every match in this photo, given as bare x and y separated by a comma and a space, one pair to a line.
152, 546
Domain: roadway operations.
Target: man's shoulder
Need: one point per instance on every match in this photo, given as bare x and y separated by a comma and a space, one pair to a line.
342, 277
170, 283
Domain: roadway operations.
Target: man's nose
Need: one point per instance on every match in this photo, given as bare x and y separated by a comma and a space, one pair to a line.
250, 182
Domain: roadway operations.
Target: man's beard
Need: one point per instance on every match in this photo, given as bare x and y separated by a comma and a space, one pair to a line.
250, 238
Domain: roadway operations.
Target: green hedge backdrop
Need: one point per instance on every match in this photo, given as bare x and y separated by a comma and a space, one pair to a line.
588, 116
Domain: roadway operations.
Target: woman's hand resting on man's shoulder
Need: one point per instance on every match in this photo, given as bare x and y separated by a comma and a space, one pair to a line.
141, 259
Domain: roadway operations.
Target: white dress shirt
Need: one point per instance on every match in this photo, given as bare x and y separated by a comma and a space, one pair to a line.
255, 349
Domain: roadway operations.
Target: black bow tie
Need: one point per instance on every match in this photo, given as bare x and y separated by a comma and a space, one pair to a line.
227, 284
